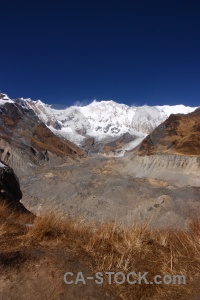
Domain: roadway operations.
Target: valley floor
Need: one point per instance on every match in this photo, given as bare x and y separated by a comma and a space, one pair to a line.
103, 189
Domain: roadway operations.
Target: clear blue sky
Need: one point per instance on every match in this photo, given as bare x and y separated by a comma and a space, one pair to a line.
134, 52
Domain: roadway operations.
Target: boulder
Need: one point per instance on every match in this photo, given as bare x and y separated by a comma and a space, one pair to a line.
10, 192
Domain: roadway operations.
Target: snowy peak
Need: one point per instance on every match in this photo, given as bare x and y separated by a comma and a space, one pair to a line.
4, 98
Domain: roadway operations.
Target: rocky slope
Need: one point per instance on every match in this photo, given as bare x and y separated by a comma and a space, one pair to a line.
179, 134
26, 141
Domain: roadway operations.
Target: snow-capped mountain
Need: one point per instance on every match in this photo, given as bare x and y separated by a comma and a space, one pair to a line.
4, 98
103, 121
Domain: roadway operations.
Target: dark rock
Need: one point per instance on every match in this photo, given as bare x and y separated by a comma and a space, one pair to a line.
118, 142
10, 192
9, 185
89, 142
57, 125
115, 130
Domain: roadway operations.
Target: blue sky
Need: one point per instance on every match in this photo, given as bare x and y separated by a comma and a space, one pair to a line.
133, 52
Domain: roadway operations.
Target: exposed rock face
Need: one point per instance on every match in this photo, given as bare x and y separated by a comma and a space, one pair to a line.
179, 134
10, 192
26, 141
9, 185
118, 143
89, 143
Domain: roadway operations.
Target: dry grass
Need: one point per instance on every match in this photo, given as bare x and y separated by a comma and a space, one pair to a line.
108, 247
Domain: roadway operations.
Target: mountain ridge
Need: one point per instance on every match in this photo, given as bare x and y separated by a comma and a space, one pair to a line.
25, 141
179, 134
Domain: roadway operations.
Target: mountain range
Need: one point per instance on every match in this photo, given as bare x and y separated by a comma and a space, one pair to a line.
106, 126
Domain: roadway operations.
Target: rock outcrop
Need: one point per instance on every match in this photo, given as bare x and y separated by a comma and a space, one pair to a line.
10, 192
119, 143
9, 184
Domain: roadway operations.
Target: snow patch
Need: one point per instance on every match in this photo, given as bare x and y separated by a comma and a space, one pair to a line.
2, 165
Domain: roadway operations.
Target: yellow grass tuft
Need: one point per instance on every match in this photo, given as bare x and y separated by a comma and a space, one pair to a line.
109, 247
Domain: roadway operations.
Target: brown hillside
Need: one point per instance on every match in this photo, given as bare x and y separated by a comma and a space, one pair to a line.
179, 134
22, 131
